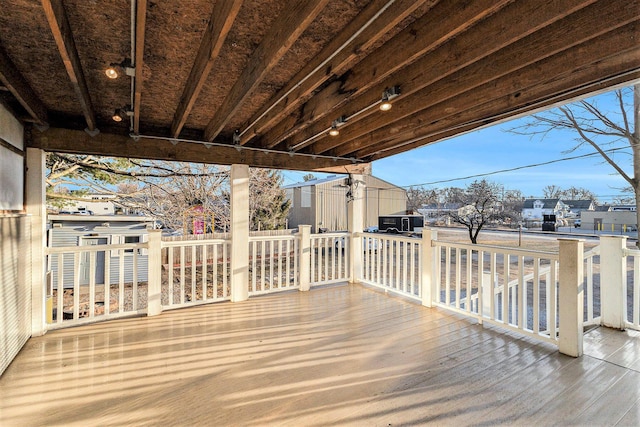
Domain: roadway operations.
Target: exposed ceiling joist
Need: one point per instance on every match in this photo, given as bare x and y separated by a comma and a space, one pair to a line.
443, 22
512, 24
141, 23
286, 30
222, 18
378, 18
61, 30
20, 89
528, 89
558, 37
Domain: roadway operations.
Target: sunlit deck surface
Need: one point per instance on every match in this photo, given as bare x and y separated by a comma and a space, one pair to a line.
339, 355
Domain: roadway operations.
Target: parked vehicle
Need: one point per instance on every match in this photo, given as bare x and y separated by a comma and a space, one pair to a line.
401, 224
577, 223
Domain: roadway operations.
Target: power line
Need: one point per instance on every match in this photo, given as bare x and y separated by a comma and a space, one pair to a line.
595, 153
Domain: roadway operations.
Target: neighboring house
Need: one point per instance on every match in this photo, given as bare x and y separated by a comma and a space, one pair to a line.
80, 230
576, 207
322, 203
95, 204
534, 209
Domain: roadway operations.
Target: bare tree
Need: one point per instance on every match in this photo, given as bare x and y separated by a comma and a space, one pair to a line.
551, 192
606, 131
418, 196
480, 207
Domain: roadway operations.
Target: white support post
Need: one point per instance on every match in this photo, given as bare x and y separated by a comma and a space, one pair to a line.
154, 287
356, 221
305, 257
613, 281
571, 297
428, 266
36, 207
239, 233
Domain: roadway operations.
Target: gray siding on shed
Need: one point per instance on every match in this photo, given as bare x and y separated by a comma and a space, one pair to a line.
79, 233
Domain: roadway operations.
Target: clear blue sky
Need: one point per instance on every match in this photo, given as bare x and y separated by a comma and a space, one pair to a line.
492, 149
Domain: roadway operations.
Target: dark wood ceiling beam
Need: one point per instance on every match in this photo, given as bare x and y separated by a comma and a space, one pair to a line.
283, 33
558, 37
376, 20
111, 145
15, 83
141, 23
222, 19
61, 30
535, 87
514, 22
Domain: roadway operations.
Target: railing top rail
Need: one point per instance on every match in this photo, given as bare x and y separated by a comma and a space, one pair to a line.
178, 243
94, 248
321, 235
592, 252
498, 249
390, 237
631, 252
267, 238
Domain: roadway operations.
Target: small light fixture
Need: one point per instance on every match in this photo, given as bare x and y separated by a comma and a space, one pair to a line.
112, 71
387, 96
121, 113
336, 124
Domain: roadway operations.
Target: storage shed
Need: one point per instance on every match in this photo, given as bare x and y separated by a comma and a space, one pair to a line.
323, 202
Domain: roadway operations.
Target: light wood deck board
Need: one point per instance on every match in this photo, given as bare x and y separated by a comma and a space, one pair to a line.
339, 355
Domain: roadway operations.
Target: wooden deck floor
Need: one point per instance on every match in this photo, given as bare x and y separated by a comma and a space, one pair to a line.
341, 355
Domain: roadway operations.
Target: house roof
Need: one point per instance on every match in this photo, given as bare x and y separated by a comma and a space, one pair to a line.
578, 204
547, 203
260, 82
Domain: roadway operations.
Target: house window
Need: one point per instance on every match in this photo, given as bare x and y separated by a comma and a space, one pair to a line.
305, 201
131, 239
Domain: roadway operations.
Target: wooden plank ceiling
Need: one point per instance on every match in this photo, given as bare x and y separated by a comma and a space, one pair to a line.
261, 82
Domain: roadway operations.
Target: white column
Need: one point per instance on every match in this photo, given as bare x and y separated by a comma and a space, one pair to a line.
613, 281
571, 297
428, 267
239, 233
305, 257
36, 207
154, 287
355, 214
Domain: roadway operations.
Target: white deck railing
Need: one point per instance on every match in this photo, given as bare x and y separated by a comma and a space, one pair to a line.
94, 282
392, 263
194, 272
511, 288
273, 264
329, 258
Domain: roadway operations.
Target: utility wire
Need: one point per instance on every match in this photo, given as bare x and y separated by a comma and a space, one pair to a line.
595, 153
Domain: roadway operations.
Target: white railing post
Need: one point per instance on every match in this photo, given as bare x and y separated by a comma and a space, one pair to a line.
154, 287
428, 266
36, 207
356, 220
613, 281
571, 296
305, 257
239, 233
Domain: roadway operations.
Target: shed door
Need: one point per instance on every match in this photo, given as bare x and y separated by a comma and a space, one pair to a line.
85, 261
